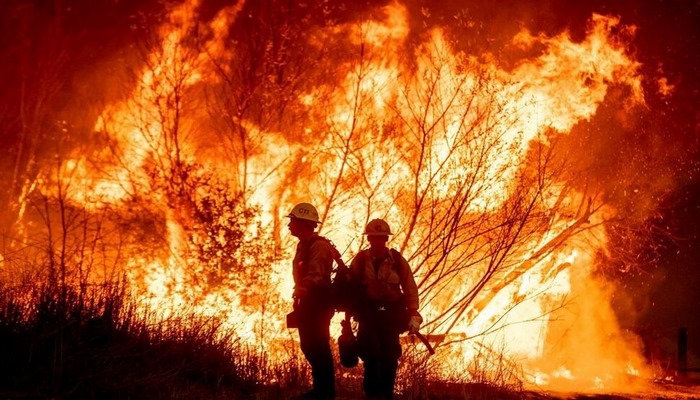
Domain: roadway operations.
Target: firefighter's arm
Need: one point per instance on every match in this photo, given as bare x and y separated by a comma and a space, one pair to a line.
410, 290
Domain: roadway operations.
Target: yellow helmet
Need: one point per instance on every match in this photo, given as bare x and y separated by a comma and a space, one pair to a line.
304, 211
377, 227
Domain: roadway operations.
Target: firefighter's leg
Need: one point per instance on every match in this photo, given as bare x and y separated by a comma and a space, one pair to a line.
370, 351
391, 351
314, 338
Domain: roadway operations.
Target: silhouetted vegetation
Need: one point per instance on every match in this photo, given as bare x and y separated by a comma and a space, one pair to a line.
92, 342
95, 342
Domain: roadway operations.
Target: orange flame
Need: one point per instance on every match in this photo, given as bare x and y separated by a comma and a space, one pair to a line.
401, 141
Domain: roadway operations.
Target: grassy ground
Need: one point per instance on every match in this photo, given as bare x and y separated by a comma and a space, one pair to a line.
92, 343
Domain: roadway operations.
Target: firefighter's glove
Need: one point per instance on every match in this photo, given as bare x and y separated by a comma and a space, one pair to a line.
414, 324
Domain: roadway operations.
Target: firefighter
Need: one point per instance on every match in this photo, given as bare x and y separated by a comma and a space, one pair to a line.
389, 306
312, 267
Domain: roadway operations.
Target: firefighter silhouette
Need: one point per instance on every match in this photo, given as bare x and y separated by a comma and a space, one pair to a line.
388, 307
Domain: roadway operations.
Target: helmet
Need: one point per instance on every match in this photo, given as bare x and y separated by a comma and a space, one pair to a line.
304, 211
377, 227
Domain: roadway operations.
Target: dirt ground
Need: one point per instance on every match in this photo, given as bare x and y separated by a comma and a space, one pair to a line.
656, 391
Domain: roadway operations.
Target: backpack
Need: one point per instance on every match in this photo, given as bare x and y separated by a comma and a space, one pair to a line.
343, 291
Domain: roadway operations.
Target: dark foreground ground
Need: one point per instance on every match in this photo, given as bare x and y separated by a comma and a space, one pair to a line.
657, 391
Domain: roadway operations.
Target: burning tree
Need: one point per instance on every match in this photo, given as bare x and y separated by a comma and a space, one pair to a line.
233, 117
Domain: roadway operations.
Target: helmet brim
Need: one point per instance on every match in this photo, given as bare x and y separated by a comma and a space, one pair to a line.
302, 219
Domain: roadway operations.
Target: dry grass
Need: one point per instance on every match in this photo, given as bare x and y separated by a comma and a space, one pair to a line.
489, 376
90, 342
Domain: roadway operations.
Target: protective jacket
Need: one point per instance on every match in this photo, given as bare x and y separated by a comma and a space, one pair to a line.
312, 266
386, 280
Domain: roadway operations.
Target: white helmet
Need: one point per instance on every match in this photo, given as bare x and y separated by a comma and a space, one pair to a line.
304, 211
377, 227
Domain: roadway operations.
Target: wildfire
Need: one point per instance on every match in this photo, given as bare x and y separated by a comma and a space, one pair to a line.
453, 149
